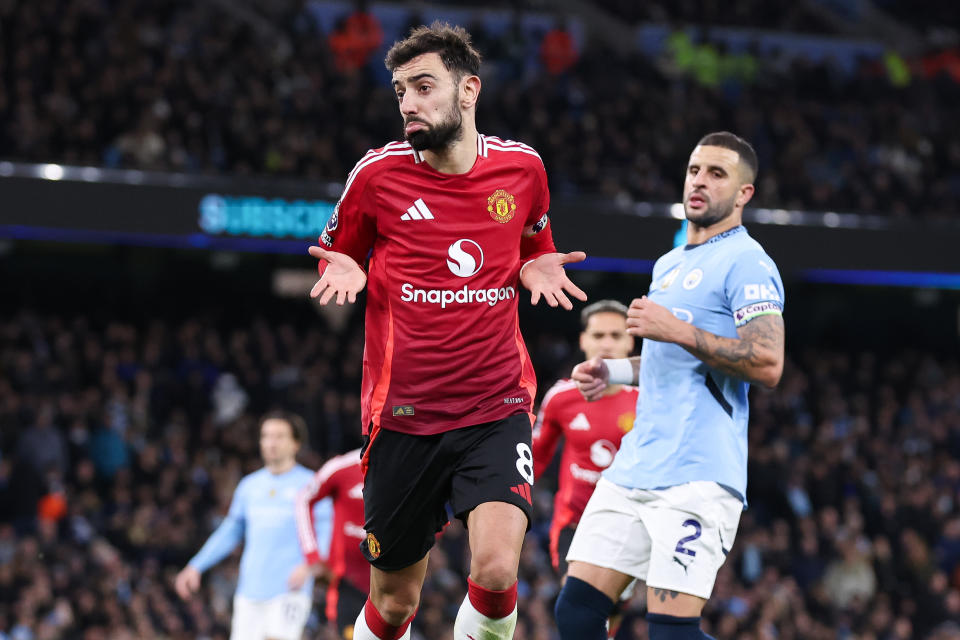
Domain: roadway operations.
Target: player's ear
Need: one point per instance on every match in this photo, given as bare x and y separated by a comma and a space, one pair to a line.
744, 195
469, 91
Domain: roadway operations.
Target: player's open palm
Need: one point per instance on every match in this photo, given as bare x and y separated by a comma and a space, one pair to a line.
591, 378
342, 278
647, 319
545, 277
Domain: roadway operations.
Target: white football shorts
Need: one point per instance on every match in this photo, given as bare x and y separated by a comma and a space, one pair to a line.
675, 538
279, 618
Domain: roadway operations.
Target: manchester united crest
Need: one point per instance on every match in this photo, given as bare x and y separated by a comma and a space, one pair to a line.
501, 206
373, 545
625, 421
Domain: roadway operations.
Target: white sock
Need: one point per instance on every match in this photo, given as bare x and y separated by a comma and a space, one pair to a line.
473, 625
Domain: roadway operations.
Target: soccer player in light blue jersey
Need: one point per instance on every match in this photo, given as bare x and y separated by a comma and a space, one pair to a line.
262, 517
666, 510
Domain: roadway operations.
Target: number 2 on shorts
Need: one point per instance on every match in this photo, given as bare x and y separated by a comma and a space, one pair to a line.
525, 461
693, 536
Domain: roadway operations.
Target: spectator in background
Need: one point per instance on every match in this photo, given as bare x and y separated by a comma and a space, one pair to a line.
558, 51
355, 40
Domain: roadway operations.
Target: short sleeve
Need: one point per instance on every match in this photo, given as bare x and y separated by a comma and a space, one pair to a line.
754, 287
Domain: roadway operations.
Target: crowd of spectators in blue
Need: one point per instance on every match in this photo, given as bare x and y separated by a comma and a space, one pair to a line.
121, 442
186, 86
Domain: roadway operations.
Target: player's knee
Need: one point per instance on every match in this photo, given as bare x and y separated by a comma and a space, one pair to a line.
581, 611
395, 609
664, 627
494, 571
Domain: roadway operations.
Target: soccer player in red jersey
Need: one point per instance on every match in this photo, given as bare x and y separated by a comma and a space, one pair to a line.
346, 568
453, 222
591, 430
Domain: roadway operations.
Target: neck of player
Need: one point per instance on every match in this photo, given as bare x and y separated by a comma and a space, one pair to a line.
698, 235
458, 157
278, 467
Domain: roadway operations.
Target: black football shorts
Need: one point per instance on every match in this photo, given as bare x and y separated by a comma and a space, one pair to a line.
410, 479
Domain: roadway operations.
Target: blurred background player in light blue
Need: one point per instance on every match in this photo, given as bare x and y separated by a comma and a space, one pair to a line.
262, 517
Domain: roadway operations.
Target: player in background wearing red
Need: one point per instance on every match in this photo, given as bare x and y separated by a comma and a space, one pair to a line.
453, 222
591, 431
345, 569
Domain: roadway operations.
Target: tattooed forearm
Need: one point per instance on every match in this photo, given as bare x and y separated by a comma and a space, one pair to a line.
756, 356
663, 593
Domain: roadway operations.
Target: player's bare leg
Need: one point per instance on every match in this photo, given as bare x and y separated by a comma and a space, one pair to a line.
394, 596
489, 612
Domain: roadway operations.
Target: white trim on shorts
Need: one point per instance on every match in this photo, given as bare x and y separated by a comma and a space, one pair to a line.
675, 538
282, 617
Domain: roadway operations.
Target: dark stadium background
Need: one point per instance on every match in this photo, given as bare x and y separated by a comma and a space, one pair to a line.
164, 165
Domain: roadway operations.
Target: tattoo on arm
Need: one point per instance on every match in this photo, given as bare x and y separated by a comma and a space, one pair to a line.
760, 344
663, 593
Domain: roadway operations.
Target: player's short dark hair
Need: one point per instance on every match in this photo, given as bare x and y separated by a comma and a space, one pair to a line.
601, 306
734, 142
298, 426
452, 43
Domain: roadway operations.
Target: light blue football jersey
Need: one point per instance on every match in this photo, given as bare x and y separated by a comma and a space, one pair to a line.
262, 517
691, 421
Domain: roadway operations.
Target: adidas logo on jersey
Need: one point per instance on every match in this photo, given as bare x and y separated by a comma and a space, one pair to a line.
418, 211
580, 423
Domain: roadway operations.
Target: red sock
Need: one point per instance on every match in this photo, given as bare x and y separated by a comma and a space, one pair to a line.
493, 604
380, 627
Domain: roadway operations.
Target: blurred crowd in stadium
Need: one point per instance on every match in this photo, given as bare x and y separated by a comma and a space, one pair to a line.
189, 87
121, 443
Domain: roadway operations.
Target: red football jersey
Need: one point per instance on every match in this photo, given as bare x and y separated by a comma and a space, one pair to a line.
592, 432
443, 346
341, 480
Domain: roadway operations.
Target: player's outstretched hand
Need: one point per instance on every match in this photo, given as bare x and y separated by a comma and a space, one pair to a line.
343, 277
591, 377
647, 319
187, 582
545, 277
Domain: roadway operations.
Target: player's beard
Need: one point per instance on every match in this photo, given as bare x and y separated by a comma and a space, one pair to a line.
440, 135
714, 213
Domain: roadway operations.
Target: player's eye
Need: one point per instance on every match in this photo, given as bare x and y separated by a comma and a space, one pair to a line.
424, 88
399, 95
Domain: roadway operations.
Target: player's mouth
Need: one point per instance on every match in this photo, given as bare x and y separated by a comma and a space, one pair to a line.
696, 201
413, 126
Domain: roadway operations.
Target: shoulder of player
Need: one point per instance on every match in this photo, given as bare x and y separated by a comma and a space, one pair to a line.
559, 392
668, 259
337, 464
747, 249
376, 161
509, 150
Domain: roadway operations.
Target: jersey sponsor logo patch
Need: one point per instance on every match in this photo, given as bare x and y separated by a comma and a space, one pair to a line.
586, 475
683, 314
502, 206
334, 219
403, 410
465, 257
373, 546
513, 400
536, 228
668, 279
746, 314
466, 295
692, 279
602, 452
418, 211
760, 292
